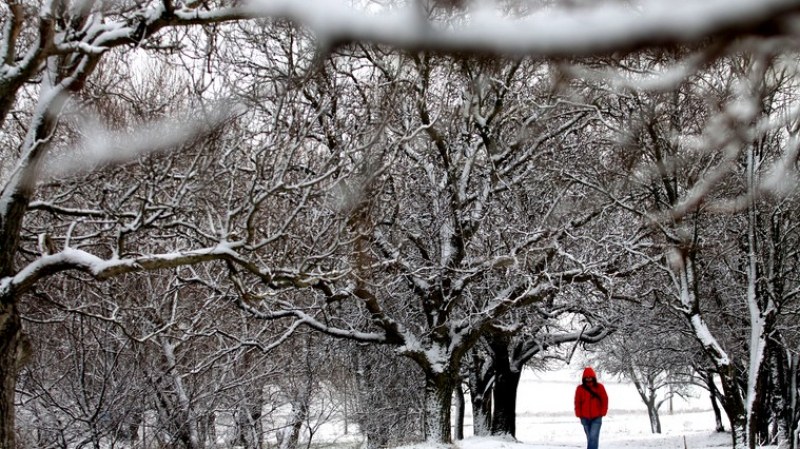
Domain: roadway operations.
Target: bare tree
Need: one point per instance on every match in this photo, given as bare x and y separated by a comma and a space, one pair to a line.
694, 203
165, 212
444, 241
59, 45
649, 349
498, 361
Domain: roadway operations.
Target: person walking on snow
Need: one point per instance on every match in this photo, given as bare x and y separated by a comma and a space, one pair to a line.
591, 405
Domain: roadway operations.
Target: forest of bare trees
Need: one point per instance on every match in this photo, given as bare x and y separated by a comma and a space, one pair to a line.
225, 223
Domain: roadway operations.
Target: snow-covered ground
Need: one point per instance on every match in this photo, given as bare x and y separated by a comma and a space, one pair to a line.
546, 420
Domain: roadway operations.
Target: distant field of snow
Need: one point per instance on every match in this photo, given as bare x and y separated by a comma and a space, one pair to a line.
545, 418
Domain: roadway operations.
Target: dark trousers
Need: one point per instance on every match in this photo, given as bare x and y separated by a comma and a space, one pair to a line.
592, 429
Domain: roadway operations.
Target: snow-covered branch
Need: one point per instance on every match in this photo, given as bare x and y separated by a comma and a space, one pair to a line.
75, 259
552, 32
306, 319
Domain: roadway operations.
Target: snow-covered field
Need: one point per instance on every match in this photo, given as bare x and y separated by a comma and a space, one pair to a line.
546, 420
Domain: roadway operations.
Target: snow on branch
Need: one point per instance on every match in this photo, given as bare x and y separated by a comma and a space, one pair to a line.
75, 259
103, 146
289, 310
551, 32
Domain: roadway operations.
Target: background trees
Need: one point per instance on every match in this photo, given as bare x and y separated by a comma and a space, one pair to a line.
651, 349
50, 50
705, 182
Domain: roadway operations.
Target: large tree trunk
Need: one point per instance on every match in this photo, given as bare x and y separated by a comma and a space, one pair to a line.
481, 379
783, 397
733, 403
15, 197
504, 419
13, 351
438, 400
732, 397
756, 408
759, 416
504, 390
459, 424
481, 415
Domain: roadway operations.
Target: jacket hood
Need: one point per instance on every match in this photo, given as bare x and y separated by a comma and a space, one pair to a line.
589, 372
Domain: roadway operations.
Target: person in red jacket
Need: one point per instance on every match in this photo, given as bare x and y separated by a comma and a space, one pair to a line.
591, 405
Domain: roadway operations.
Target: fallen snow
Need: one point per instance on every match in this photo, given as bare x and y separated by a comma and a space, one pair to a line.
545, 419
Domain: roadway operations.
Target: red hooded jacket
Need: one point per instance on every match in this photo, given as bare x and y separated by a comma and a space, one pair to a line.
591, 400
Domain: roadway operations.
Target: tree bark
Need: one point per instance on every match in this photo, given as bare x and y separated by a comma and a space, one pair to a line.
13, 351
712, 388
438, 400
481, 378
481, 415
655, 419
459, 424
644, 386
732, 395
290, 435
781, 400
733, 403
249, 429
504, 419
187, 422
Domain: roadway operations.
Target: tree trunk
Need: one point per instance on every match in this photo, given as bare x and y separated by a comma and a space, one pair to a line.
504, 419
290, 435
481, 415
782, 403
438, 400
208, 431
790, 376
13, 351
481, 380
459, 425
757, 410
738, 423
652, 413
759, 413
734, 406
647, 394
187, 422
715, 406
733, 399
249, 429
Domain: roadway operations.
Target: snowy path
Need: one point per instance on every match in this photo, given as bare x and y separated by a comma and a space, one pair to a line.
546, 420
692, 430
624, 431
